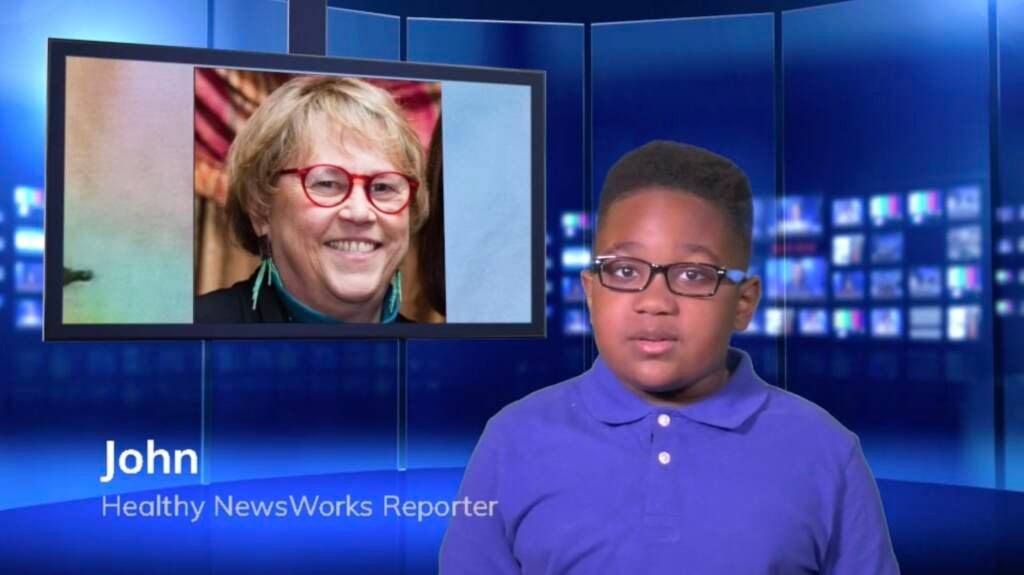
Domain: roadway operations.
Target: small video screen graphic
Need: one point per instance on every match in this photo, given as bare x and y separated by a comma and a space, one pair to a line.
849, 285
847, 249
963, 243
964, 203
926, 323
796, 279
29, 241
848, 322
575, 258
798, 216
574, 224
887, 323
963, 281
575, 322
28, 314
886, 209
572, 289
812, 321
1005, 307
28, 277
847, 212
1004, 214
924, 206
925, 282
887, 248
887, 284
778, 321
29, 202
963, 322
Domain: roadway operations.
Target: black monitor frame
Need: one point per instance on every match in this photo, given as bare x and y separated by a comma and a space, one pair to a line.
55, 330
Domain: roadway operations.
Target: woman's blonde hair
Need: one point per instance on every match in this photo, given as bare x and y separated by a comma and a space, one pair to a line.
275, 134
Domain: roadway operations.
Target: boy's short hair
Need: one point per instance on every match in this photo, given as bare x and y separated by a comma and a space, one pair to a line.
687, 169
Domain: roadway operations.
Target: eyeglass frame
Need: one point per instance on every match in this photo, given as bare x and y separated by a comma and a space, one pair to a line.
414, 185
735, 276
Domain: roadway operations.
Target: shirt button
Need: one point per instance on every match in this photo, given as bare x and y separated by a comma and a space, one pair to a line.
664, 420
664, 457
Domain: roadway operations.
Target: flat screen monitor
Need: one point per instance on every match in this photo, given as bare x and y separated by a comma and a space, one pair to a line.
1005, 307
924, 206
848, 322
28, 203
847, 212
778, 321
887, 248
925, 282
963, 322
849, 285
28, 276
963, 243
886, 209
798, 215
350, 198
1003, 276
574, 224
964, 203
847, 249
813, 321
963, 281
887, 284
1004, 214
887, 323
926, 323
798, 279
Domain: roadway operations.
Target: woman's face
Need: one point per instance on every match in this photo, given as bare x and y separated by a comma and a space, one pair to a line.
337, 260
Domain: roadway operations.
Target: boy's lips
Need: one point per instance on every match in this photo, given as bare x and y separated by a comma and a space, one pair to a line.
654, 341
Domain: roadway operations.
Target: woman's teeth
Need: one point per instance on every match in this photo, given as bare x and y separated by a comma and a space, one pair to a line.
352, 246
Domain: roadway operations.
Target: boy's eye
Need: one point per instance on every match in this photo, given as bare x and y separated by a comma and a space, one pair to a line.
693, 274
624, 271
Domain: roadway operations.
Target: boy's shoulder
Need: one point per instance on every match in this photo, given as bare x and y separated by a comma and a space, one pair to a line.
549, 405
790, 415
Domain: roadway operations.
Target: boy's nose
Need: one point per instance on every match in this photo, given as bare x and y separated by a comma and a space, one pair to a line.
657, 299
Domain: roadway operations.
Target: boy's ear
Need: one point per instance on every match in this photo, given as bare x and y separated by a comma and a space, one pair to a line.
749, 297
588, 287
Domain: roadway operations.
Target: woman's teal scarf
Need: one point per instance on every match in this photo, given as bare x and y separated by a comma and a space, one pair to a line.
302, 313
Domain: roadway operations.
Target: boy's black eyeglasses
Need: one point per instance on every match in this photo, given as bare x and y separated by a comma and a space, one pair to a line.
688, 279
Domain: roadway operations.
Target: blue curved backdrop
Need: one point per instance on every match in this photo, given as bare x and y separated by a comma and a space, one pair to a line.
845, 101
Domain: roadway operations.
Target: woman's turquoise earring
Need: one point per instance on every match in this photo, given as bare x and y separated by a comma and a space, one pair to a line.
265, 270
393, 300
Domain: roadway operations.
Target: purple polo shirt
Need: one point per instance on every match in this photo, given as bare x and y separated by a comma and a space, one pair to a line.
590, 479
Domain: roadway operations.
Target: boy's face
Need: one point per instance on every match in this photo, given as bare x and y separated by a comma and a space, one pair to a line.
654, 340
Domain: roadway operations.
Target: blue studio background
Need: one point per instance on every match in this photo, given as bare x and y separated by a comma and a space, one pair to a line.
885, 144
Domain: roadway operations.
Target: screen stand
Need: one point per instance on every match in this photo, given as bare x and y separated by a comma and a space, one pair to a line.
205, 417
402, 450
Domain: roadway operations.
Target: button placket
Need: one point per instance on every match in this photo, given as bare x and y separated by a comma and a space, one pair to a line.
662, 513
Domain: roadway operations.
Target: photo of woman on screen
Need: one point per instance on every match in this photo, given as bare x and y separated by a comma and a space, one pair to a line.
327, 187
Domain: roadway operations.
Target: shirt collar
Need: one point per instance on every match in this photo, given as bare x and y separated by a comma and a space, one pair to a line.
728, 408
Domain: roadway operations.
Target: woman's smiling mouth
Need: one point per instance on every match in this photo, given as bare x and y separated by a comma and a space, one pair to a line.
357, 246
356, 250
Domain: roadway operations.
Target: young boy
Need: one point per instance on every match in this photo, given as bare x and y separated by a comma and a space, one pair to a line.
670, 455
